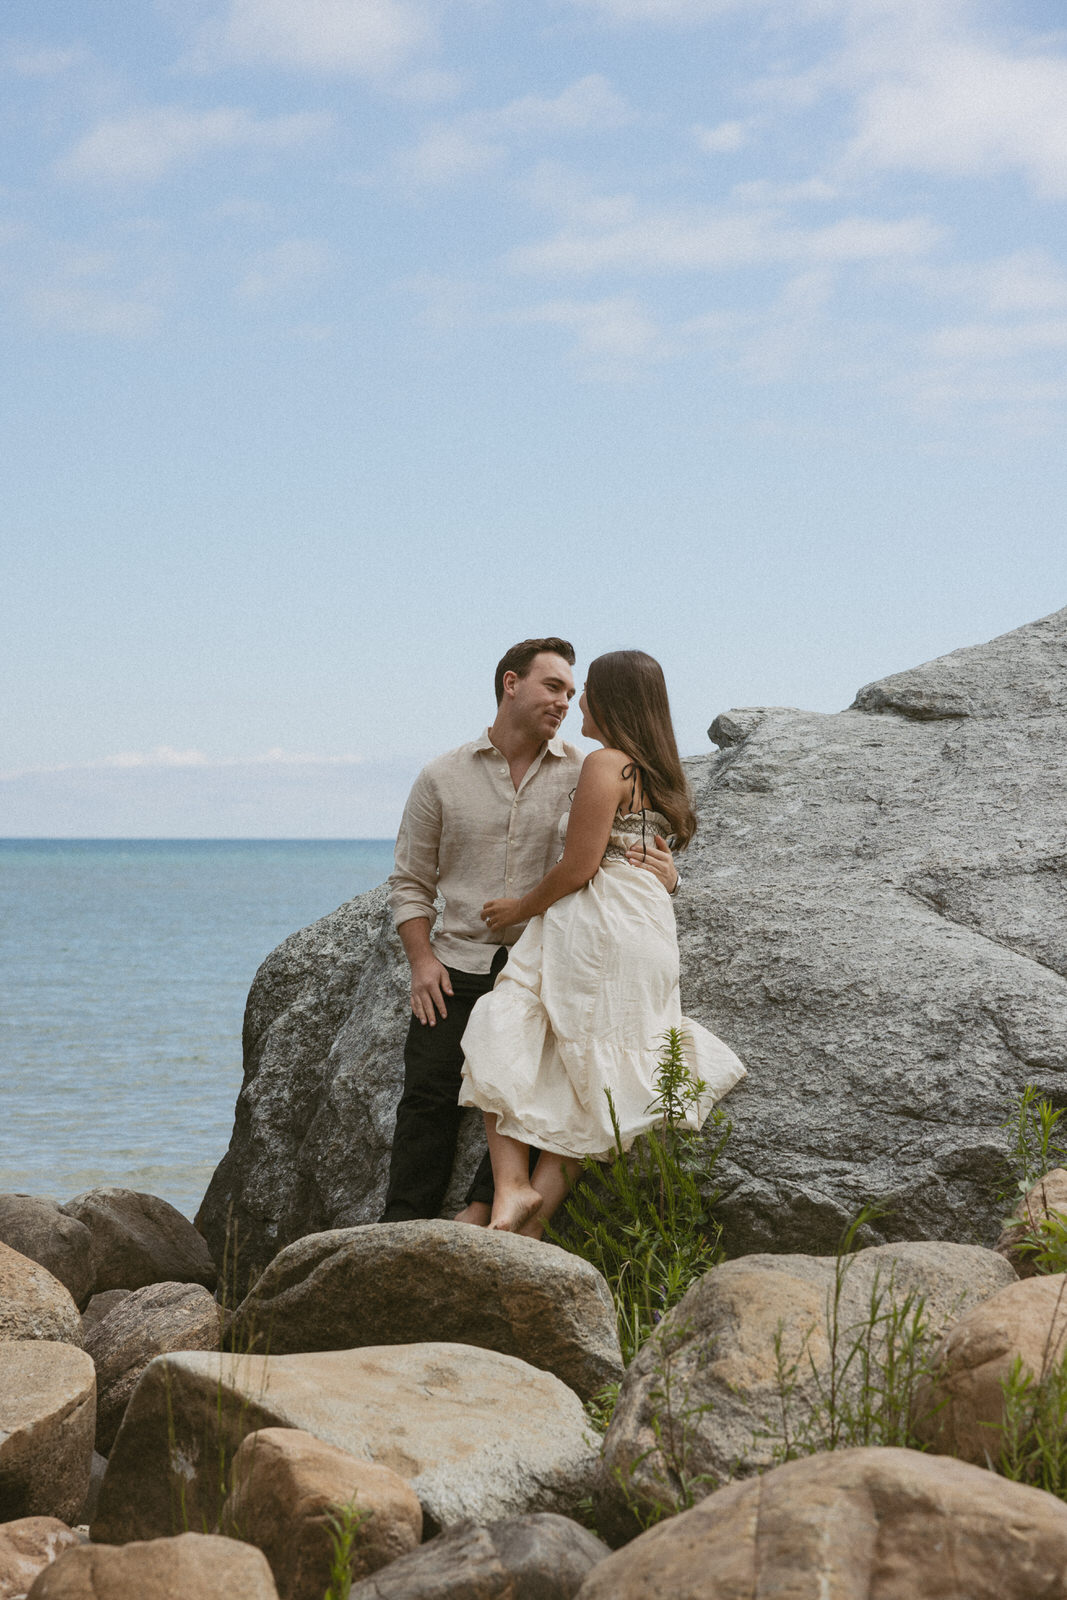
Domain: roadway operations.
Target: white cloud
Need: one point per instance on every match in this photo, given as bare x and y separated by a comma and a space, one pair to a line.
334, 37
285, 266
76, 308
723, 138
669, 11
444, 153
988, 341
146, 145
615, 328
42, 61
700, 240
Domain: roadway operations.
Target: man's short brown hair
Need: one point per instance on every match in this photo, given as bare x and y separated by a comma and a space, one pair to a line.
520, 658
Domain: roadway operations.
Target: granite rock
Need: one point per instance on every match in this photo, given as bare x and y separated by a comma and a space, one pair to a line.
405, 1282
34, 1304
877, 1524
475, 1433
539, 1557
144, 1324
719, 1352
192, 1566
137, 1239
27, 1546
40, 1229
47, 1418
873, 916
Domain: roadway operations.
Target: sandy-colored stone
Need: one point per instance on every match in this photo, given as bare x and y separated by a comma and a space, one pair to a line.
40, 1229
717, 1351
960, 1410
26, 1547
144, 1324
540, 1557
1047, 1198
193, 1566
855, 1525
101, 1306
47, 1419
287, 1485
34, 1304
138, 1239
405, 1282
474, 1432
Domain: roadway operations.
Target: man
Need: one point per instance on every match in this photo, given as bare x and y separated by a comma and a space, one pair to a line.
481, 821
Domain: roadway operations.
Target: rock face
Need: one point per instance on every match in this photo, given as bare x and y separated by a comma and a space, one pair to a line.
144, 1324
476, 1434
287, 1488
960, 1411
40, 1229
874, 917
33, 1304
195, 1566
541, 1557
714, 1363
854, 1525
136, 1239
404, 1282
47, 1417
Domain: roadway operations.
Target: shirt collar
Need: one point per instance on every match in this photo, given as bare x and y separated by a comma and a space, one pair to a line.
554, 747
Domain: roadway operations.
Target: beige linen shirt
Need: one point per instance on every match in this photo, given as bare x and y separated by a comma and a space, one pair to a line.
468, 835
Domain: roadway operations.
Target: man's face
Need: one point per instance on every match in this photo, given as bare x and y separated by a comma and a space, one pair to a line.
540, 699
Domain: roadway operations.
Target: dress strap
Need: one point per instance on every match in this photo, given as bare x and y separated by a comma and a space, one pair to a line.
632, 771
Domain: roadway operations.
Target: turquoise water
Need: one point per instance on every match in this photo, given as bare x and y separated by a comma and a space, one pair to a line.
124, 967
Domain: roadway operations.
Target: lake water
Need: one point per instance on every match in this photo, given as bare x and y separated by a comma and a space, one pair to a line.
124, 967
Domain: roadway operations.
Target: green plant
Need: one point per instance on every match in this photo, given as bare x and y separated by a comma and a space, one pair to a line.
342, 1522
642, 1219
862, 1393
1036, 1148
1033, 1446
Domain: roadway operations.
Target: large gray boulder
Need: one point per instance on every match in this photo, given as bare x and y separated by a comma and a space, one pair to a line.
873, 917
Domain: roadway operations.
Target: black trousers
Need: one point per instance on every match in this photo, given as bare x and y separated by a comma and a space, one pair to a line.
427, 1118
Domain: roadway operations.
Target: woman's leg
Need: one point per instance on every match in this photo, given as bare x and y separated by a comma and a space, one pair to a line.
552, 1178
515, 1199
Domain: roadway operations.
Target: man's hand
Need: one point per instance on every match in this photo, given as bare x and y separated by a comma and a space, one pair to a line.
429, 985
657, 859
500, 914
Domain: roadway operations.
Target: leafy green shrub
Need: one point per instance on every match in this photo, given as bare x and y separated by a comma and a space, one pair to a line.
1036, 1147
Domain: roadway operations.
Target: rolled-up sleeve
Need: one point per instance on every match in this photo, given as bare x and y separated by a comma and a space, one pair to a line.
413, 880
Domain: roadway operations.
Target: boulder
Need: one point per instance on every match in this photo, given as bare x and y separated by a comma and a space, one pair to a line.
539, 1557
1046, 1199
38, 1228
33, 1304
959, 1410
145, 1323
475, 1433
882, 1524
406, 1282
101, 1306
138, 1239
735, 1363
27, 1546
287, 1488
193, 1566
873, 916
47, 1418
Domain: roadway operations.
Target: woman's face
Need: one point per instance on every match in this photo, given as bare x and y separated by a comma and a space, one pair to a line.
589, 727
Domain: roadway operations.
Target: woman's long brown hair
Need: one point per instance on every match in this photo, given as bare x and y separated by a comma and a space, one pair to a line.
627, 697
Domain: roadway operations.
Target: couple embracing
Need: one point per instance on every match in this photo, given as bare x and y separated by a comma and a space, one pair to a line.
554, 974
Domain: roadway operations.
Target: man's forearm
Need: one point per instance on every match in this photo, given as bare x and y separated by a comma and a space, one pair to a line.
415, 937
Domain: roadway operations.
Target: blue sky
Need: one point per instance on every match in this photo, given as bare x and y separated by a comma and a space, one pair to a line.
348, 341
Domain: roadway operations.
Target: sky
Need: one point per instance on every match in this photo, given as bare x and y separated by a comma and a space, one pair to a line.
347, 342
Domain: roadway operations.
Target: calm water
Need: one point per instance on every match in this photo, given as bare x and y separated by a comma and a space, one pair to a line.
124, 967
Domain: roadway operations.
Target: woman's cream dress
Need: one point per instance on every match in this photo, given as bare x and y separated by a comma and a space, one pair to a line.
582, 1006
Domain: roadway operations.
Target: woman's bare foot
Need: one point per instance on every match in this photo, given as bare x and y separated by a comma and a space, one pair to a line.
514, 1207
477, 1213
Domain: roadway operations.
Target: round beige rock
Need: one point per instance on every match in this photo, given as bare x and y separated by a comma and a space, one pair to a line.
855, 1525
475, 1433
40, 1229
27, 1546
287, 1487
193, 1566
139, 1239
405, 1282
717, 1352
33, 1304
1047, 1198
539, 1557
960, 1410
142, 1325
47, 1421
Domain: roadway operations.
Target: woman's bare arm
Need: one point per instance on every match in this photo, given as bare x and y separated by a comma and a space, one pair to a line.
601, 788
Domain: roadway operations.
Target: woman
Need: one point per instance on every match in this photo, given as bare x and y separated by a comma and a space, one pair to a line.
592, 985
